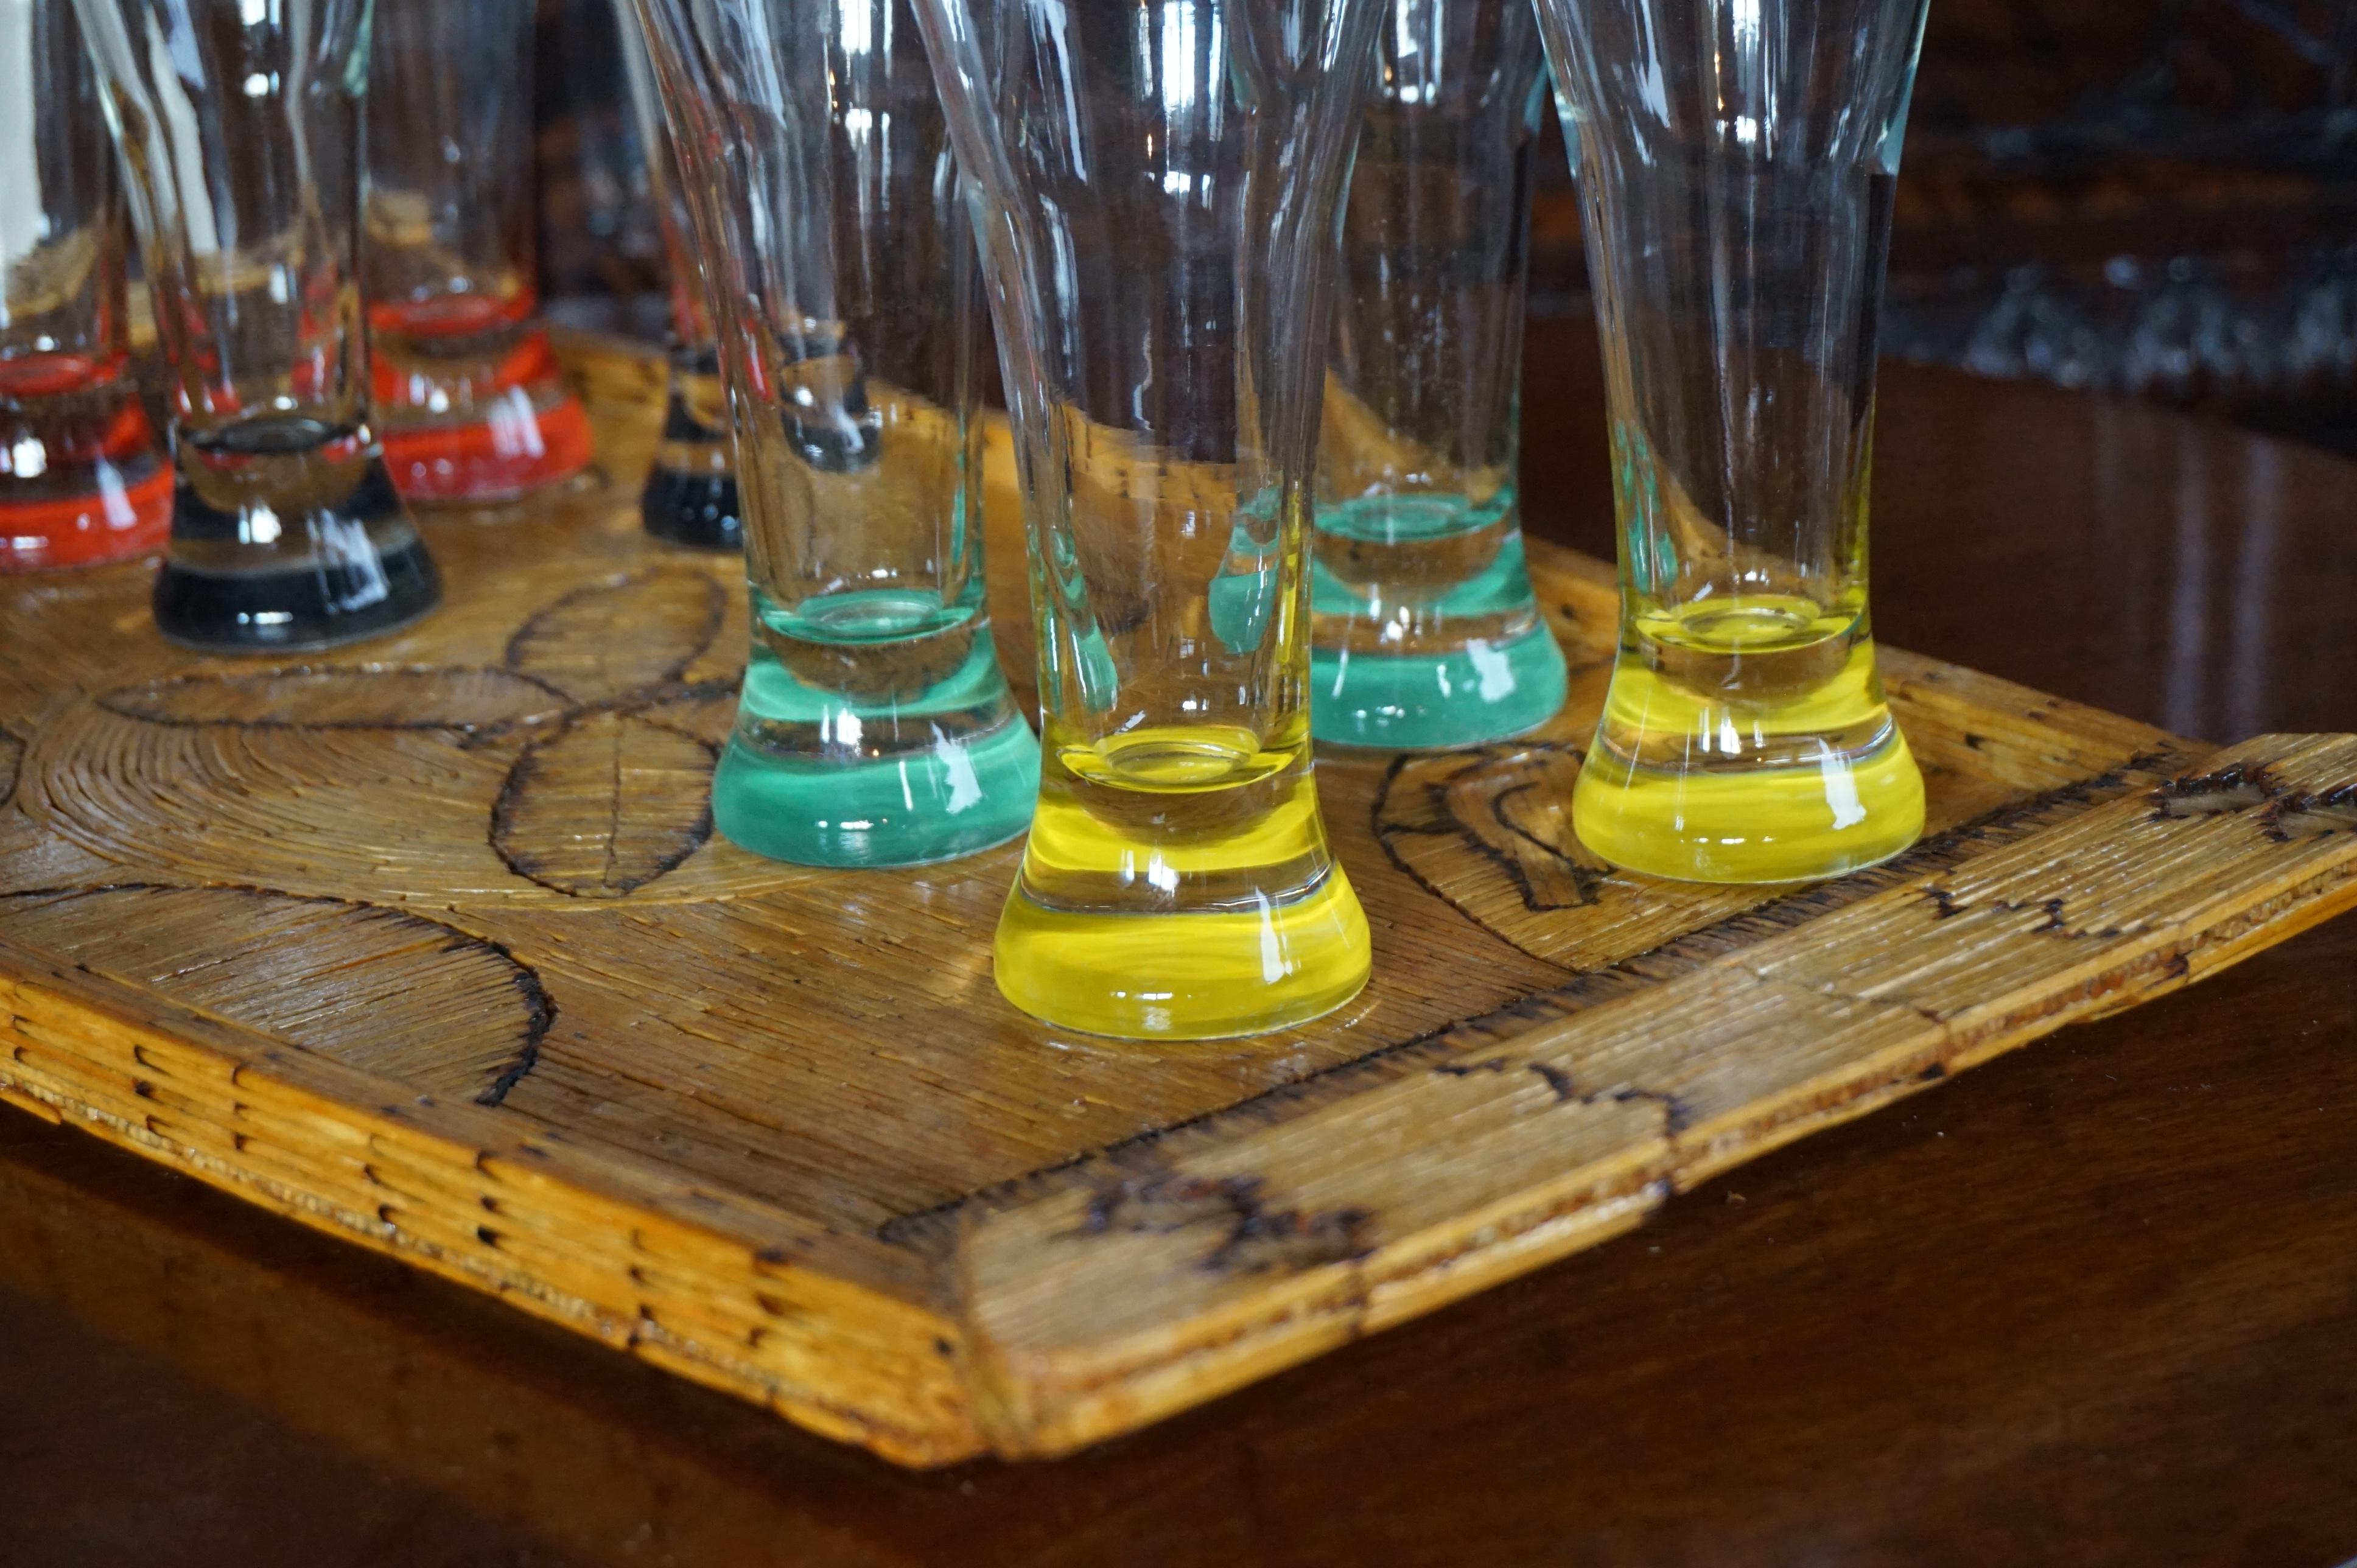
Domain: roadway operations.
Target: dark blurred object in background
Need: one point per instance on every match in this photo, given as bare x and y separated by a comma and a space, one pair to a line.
2153, 198
2156, 197
601, 263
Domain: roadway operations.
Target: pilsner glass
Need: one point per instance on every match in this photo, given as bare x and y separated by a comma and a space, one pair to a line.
689, 496
1736, 159
82, 479
1425, 631
472, 405
239, 122
874, 728
1156, 187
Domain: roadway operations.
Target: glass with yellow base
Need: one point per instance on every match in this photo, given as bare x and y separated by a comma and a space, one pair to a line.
1157, 190
1736, 159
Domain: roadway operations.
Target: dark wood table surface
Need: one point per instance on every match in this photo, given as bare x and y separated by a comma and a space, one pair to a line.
2094, 1304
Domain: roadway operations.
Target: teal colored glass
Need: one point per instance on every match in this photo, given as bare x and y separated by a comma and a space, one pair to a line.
874, 728
1424, 630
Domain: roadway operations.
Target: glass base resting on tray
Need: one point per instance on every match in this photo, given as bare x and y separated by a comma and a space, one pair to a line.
857, 747
1425, 631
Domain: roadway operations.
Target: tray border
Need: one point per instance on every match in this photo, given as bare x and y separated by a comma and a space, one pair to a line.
740, 1294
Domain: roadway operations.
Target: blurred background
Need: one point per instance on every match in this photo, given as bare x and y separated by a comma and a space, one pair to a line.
2156, 198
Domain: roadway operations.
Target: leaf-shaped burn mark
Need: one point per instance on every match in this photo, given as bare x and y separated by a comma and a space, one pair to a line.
370, 696
1511, 804
1258, 1239
2301, 815
606, 805
2237, 787
428, 1005
604, 643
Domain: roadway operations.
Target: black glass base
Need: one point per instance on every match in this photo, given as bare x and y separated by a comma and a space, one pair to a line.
302, 608
691, 496
696, 510
256, 578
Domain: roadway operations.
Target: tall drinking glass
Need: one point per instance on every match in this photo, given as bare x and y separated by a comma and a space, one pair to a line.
1156, 189
1425, 631
239, 122
689, 496
874, 728
473, 406
1736, 159
82, 479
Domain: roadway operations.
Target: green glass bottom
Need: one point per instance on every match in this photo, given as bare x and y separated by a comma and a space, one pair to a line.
1467, 696
817, 779
1424, 631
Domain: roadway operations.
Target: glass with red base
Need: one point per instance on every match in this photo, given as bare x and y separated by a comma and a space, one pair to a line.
82, 477
473, 403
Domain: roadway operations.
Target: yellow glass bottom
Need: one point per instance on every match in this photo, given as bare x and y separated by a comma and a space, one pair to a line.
1186, 976
1746, 739
1177, 885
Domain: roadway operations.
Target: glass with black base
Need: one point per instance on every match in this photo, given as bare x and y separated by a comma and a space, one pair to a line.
691, 495
240, 126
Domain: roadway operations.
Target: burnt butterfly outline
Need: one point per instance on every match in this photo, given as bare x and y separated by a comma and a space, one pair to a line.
598, 679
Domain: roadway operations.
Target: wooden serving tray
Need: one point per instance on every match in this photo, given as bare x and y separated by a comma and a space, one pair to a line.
429, 944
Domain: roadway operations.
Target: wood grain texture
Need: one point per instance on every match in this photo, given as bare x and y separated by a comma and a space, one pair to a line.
773, 1129
1106, 1305
406, 998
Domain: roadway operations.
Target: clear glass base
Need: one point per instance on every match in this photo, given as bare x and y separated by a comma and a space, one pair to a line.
817, 778
1466, 696
1193, 976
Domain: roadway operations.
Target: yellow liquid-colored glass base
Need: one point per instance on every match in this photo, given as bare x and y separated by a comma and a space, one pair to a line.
1176, 886
1747, 740
1185, 977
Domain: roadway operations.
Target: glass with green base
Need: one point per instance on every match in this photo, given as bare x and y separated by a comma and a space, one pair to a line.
1423, 630
874, 728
